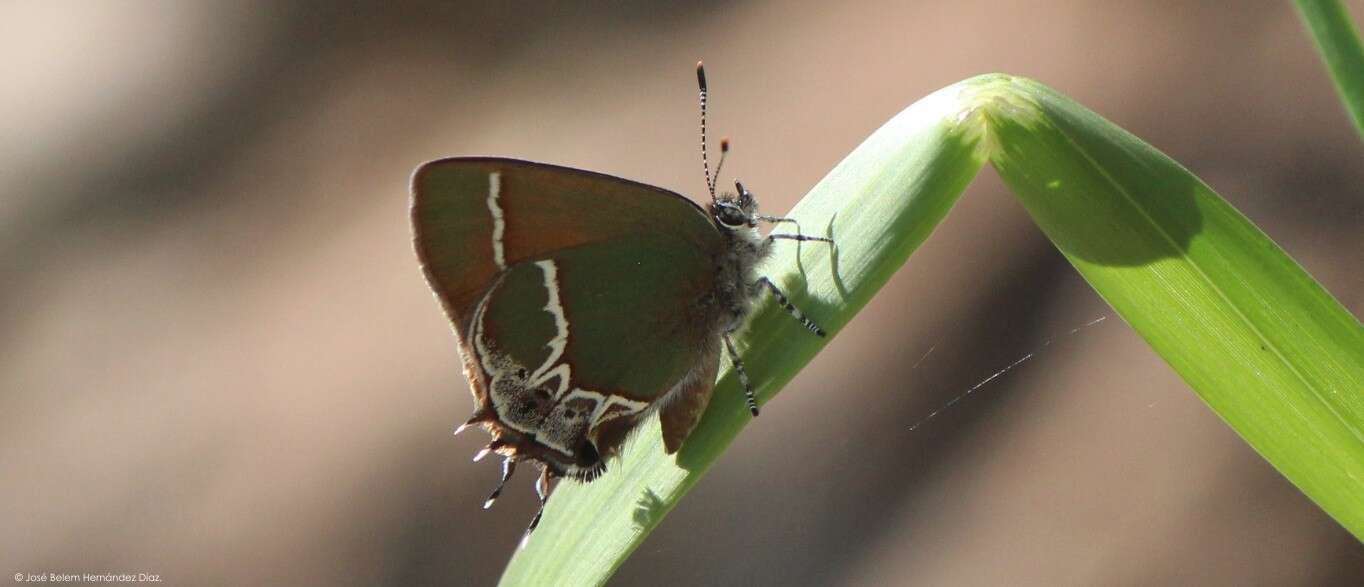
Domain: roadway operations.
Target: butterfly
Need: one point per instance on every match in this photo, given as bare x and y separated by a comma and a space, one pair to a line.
584, 303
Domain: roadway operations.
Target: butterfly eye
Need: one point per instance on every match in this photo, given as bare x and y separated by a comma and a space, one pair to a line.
731, 216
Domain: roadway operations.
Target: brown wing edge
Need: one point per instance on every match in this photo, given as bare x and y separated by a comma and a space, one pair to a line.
683, 406
473, 373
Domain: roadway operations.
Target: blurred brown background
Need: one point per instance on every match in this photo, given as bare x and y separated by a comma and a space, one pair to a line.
219, 362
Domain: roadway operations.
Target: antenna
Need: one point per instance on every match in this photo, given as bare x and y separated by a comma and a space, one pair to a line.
724, 150
705, 163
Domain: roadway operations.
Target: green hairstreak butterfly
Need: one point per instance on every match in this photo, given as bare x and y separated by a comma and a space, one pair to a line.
584, 303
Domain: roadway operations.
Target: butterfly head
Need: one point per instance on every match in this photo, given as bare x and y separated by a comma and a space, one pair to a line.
737, 210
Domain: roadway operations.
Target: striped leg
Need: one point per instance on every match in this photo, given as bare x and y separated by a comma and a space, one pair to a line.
541, 490
776, 219
795, 237
508, 467
785, 304
743, 375
799, 237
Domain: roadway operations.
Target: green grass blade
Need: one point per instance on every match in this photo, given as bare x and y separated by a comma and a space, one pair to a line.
1263, 344
1338, 42
879, 204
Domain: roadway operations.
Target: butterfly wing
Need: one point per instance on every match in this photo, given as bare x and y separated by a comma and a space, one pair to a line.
686, 404
570, 292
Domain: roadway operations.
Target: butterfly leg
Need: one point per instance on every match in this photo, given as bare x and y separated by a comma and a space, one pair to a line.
795, 237
743, 374
765, 283
541, 490
508, 467
800, 237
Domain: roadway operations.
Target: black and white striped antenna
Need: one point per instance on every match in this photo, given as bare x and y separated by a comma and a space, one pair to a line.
724, 141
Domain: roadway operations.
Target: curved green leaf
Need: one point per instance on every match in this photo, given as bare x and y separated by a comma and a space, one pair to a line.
1265, 346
